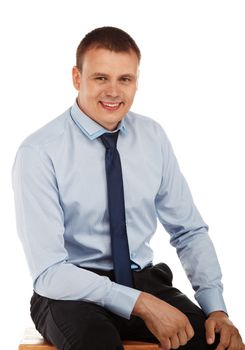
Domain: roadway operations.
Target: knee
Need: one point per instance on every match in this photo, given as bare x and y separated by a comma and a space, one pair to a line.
81, 326
99, 335
197, 320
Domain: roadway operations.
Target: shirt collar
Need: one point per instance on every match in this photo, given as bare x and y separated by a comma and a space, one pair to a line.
88, 126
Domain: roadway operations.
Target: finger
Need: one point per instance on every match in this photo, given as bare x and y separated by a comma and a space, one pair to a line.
165, 344
235, 342
210, 331
182, 337
221, 346
225, 338
174, 340
189, 331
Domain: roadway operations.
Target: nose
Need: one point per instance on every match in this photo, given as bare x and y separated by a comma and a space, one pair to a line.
112, 90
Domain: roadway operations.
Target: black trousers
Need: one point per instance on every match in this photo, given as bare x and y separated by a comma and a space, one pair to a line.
80, 325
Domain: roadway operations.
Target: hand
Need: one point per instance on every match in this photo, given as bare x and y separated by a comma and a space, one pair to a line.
169, 325
230, 339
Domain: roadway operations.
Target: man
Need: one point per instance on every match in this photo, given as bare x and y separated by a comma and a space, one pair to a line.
89, 187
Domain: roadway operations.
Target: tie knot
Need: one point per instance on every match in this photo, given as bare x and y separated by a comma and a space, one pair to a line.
110, 140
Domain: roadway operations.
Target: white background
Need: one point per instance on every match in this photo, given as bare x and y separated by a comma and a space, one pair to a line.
192, 81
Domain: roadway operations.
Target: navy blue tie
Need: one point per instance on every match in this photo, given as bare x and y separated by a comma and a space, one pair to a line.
116, 208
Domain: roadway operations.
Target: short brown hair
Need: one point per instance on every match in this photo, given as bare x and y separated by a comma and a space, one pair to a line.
110, 38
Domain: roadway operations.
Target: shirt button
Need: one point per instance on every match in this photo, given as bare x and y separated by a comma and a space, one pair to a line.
133, 254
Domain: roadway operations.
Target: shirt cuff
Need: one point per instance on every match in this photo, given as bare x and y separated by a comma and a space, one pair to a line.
121, 300
211, 300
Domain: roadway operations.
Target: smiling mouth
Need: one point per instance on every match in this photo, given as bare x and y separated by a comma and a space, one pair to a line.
111, 106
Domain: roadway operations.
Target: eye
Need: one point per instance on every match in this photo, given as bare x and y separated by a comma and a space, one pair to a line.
101, 78
126, 79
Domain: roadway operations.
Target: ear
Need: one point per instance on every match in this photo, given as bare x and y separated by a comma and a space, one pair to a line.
76, 77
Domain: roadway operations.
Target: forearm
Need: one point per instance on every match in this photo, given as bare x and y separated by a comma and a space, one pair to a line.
65, 281
199, 259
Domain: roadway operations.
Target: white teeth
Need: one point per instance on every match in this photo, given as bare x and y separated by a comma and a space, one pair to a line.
111, 105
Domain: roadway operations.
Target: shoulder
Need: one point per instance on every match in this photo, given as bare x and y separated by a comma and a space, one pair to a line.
144, 125
49, 133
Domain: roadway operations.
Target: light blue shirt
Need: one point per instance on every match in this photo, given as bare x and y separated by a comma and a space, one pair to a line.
59, 183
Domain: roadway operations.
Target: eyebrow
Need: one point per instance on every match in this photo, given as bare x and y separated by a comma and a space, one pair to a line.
96, 74
99, 74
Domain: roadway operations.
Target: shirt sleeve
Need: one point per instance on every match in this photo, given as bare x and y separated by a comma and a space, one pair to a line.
188, 233
41, 228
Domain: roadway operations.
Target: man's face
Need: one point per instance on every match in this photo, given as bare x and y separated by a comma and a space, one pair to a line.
106, 85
